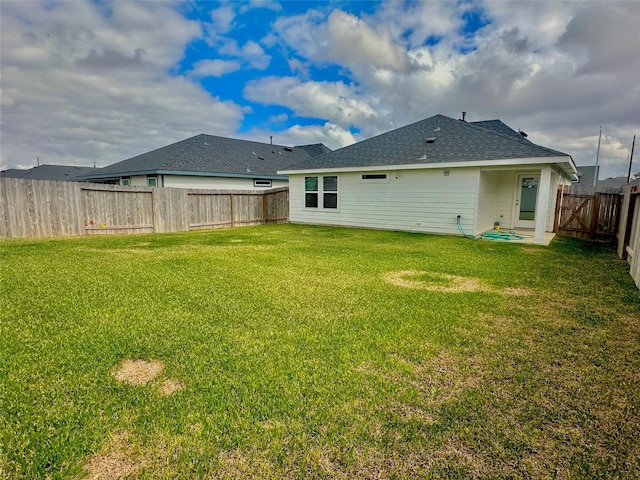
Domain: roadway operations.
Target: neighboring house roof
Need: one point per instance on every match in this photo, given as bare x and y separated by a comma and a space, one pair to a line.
456, 141
47, 172
586, 174
210, 155
613, 182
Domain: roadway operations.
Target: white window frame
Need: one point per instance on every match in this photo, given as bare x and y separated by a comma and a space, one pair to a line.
364, 179
153, 177
262, 183
125, 181
320, 192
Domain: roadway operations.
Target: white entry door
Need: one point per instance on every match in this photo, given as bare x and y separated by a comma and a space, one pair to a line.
526, 198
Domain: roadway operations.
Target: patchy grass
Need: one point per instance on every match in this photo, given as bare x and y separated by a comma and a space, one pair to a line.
292, 351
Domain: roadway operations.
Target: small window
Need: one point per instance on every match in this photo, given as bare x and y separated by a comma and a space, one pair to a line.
261, 183
311, 192
374, 176
125, 181
152, 181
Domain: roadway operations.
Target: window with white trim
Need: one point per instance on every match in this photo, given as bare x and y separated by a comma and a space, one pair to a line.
311, 192
152, 181
330, 191
125, 181
374, 176
321, 192
257, 182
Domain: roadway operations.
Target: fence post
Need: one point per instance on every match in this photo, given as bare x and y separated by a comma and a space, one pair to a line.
233, 223
595, 215
556, 215
264, 208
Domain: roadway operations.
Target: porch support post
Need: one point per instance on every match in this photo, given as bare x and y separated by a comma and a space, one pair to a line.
542, 203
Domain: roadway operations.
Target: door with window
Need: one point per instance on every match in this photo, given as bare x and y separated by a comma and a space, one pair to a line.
526, 199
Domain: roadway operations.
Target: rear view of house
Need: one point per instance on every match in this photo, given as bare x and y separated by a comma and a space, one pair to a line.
438, 175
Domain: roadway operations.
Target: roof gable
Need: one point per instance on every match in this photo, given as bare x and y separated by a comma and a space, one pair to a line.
449, 141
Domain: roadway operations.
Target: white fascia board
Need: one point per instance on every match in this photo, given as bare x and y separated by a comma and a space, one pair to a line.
503, 162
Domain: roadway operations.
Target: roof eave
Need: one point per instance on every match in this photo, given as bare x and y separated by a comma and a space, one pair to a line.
183, 173
422, 166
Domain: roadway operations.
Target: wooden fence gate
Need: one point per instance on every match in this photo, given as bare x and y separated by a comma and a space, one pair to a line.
589, 215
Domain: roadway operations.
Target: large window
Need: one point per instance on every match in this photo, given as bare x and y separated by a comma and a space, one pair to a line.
330, 192
321, 192
311, 192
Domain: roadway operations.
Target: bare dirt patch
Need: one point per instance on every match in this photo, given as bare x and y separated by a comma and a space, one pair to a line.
532, 250
170, 386
437, 282
118, 461
443, 282
138, 372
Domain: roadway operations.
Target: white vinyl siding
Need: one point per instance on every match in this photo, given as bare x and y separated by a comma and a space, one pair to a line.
553, 196
496, 197
488, 202
223, 183
414, 200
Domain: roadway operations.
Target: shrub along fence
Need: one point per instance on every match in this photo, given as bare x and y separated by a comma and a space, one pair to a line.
43, 208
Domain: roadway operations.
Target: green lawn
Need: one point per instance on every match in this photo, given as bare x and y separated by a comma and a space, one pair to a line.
310, 352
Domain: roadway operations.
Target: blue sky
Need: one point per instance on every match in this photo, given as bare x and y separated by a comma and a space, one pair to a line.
94, 81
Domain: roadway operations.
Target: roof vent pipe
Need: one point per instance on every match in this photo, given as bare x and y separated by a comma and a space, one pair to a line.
270, 139
464, 115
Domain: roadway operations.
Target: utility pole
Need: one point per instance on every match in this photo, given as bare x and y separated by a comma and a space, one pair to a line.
595, 176
633, 144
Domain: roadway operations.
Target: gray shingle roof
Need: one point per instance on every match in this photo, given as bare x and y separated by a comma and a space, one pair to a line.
456, 141
212, 155
47, 172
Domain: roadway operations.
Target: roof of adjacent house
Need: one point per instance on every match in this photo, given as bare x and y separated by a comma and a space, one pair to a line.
210, 155
586, 174
613, 182
438, 139
47, 172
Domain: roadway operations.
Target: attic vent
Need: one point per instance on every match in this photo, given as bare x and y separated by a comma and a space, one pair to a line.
288, 149
522, 133
260, 158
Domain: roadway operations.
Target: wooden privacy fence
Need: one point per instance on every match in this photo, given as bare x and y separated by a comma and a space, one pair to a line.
629, 230
587, 214
42, 208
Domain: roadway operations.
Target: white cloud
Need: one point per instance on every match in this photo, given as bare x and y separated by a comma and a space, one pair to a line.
251, 54
333, 136
305, 35
266, 4
281, 118
606, 37
334, 101
222, 20
81, 84
214, 68
353, 43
